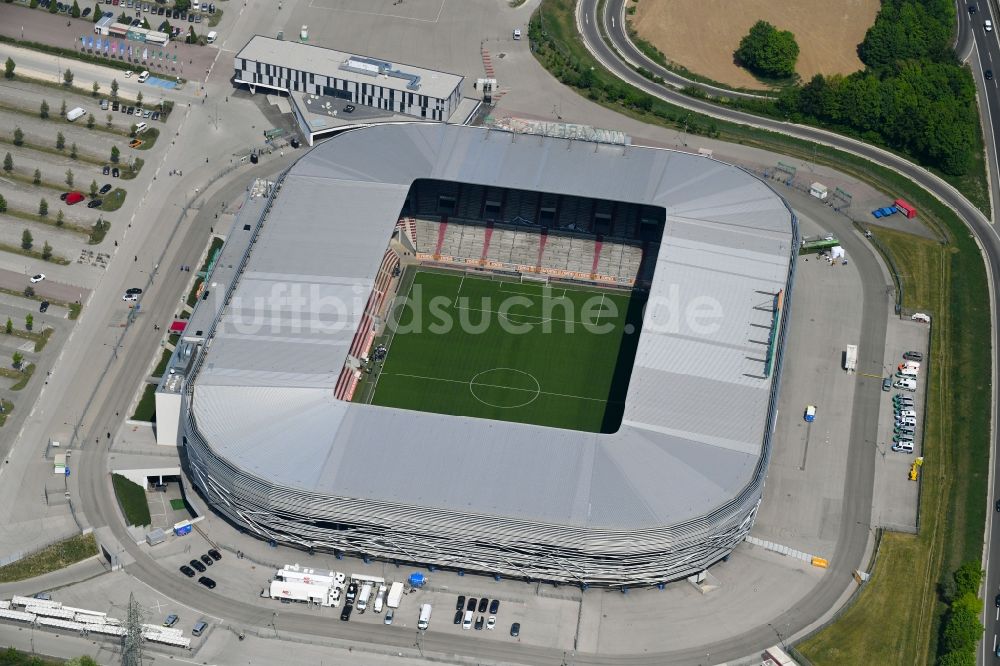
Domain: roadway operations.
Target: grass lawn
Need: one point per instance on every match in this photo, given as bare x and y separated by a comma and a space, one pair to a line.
40, 338
11, 657
113, 200
161, 367
53, 558
509, 351
177, 504
132, 500
949, 282
148, 138
146, 409
8, 407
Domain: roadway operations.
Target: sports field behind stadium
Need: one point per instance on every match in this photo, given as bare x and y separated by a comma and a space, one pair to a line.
500, 348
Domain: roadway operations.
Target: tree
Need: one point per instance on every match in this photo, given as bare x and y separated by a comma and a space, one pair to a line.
81, 661
114, 88
60, 218
46, 255
115, 153
72, 151
37, 178
9, 327
8, 163
968, 577
110, 119
93, 189
191, 36
67, 77
182, 5
138, 97
43, 109
133, 129
91, 121
145, 23
69, 177
165, 28
75, 10
27, 239
43, 209
767, 51
18, 358
9, 68
962, 629
3, 204
29, 321
98, 12
18, 136
29, 292
95, 88
62, 109
53, 8
60, 141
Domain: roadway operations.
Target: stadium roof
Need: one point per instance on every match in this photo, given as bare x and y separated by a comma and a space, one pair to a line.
350, 67
697, 406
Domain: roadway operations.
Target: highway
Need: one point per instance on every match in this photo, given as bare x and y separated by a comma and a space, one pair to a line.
982, 51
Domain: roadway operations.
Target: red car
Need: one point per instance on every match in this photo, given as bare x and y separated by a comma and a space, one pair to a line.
73, 198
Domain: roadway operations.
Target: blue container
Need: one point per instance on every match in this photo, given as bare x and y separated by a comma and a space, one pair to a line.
417, 579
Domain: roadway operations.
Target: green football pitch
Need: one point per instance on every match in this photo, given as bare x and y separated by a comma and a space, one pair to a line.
498, 348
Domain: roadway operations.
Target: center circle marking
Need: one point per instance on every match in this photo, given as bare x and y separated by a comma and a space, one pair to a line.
481, 380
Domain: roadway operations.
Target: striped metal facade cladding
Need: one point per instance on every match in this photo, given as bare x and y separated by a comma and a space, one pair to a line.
617, 551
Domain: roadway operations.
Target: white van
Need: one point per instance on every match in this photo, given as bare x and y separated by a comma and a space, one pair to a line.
906, 383
425, 616
366, 593
211, 37
143, 76
467, 620
141, 127
907, 372
75, 113
907, 413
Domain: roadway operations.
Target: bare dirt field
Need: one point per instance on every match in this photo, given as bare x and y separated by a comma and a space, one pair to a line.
702, 35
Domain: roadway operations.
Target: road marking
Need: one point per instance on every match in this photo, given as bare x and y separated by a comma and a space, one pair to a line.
868, 374
509, 388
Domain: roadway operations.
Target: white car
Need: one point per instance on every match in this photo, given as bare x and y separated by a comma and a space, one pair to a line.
128, 74
129, 298
491, 622
37, 278
988, 25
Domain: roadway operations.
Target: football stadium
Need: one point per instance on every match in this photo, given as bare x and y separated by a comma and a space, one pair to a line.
491, 352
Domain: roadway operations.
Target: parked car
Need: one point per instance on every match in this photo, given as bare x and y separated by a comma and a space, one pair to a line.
114, 172
106, 170
135, 143
137, 291
483, 604
213, 553
471, 604
345, 614
197, 565
349, 108
458, 616
491, 622
187, 571
494, 606
85, 13
887, 384
460, 604
988, 25
105, 188
94, 203
479, 623
35, 279
515, 629
207, 582
389, 616
913, 356
155, 116
207, 560
171, 620
44, 306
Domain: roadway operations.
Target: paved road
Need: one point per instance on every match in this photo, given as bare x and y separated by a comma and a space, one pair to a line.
986, 51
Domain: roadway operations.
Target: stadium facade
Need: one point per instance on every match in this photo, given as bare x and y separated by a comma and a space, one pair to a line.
272, 446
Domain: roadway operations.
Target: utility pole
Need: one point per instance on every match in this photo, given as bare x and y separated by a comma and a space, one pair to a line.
132, 640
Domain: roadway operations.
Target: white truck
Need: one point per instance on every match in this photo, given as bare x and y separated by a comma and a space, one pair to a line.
395, 595
380, 599
363, 596
425, 616
75, 113
851, 358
